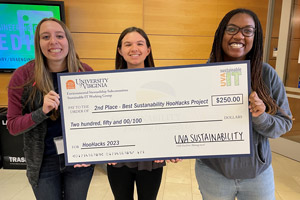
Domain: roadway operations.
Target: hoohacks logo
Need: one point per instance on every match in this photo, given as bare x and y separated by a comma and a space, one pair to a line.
230, 77
70, 84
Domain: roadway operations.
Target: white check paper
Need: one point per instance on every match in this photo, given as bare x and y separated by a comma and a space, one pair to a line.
158, 113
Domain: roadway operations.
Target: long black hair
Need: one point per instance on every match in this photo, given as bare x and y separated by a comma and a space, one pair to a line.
254, 55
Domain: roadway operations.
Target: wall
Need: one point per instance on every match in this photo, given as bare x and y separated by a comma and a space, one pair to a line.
181, 31
293, 72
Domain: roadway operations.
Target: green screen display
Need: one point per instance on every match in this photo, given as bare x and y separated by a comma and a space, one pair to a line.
17, 28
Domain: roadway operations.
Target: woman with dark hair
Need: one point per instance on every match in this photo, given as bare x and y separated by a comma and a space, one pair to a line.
239, 37
134, 51
121, 63
33, 110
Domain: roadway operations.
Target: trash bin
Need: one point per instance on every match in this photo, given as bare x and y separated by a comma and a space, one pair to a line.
12, 154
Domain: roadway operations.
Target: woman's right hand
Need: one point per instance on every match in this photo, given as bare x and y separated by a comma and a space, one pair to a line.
51, 101
114, 163
158, 161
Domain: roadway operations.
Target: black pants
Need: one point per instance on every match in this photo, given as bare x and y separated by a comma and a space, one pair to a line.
122, 182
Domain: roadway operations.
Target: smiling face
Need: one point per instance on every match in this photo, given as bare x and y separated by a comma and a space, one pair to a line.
53, 43
134, 50
237, 46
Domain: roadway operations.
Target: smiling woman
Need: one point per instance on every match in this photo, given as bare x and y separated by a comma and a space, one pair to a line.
134, 51
33, 110
54, 45
239, 37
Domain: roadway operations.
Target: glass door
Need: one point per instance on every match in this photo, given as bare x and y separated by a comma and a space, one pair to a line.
285, 54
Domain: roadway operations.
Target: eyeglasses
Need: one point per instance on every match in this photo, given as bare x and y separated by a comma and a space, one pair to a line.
247, 31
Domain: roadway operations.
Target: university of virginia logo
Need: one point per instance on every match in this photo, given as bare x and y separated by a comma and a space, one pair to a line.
86, 83
70, 84
230, 77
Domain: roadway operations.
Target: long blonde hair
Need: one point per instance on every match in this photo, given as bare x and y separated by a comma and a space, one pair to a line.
42, 78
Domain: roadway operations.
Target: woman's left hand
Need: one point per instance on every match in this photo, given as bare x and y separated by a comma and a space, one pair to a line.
159, 161
256, 105
81, 165
175, 160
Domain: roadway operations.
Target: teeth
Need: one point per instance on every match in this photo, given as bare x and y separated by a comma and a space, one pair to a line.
55, 50
236, 45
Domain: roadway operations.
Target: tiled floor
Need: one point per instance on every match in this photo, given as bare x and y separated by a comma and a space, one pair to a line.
178, 182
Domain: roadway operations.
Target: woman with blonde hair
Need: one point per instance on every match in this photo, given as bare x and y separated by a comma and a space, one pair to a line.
33, 110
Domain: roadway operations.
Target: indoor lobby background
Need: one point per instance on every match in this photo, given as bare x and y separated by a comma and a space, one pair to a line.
181, 33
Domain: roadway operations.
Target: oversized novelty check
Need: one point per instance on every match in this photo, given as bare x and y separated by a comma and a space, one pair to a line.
157, 113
